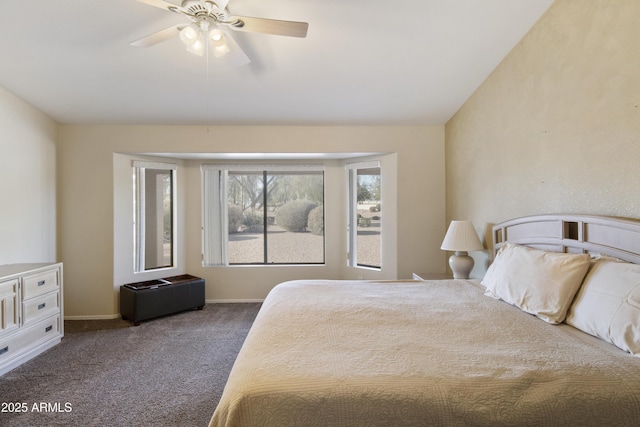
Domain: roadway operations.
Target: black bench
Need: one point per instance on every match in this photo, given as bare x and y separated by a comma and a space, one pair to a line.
154, 298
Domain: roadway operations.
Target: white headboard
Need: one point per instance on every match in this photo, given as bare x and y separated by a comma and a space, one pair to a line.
617, 237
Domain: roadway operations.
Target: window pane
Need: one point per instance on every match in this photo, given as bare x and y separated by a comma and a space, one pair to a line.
245, 212
368, 215
283, 202
158, 219
295, 218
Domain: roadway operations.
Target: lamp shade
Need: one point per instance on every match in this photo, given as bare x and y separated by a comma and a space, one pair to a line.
197, 47
461, 236
216, 36
189, 34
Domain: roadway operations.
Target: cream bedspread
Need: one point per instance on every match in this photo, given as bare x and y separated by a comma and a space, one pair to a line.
338, 353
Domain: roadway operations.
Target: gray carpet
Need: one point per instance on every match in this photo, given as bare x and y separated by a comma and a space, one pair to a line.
166, 372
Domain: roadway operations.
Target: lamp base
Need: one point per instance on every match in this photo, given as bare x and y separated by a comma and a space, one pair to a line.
461, 264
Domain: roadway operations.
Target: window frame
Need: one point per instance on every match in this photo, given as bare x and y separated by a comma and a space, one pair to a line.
215, 218
352, 213
140, 214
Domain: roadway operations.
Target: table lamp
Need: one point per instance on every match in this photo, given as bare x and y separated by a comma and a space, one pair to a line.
461, 238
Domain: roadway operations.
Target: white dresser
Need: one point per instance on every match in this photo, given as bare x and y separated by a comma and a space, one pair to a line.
30, 311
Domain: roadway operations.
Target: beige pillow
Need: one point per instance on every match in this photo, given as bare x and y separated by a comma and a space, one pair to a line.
608, 304
538, 282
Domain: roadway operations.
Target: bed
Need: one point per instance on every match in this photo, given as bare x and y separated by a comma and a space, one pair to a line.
527, 345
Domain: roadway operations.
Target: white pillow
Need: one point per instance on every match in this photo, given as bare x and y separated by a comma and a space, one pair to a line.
538, 282
608, 304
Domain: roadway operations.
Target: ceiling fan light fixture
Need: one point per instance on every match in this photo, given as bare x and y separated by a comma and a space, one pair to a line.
197, 47
209, 21
189, 34
220, 50
217, 37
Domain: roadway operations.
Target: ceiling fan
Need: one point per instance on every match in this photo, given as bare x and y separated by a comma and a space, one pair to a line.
209, 23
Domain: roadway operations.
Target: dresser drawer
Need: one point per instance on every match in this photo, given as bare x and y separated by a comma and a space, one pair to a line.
29, 337
39, 307
40, 283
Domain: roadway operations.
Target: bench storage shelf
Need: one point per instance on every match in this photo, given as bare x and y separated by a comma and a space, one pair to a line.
154, 298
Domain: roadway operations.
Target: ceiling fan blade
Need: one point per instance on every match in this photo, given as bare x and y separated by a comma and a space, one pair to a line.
221, 3
269, 26
161, 4
158, 37
237, 56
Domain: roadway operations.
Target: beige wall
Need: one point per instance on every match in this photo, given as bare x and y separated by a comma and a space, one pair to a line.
556, 127
91, 194
27, 182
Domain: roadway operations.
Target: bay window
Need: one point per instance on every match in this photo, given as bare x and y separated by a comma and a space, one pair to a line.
263, 215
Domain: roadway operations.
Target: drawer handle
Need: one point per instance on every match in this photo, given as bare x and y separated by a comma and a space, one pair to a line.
4, 350
48, 328
41, 306
42, 282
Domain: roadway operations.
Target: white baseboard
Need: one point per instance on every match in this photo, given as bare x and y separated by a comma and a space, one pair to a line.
93, 317
232, 301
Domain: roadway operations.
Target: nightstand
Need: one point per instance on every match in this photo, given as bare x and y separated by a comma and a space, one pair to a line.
432, 276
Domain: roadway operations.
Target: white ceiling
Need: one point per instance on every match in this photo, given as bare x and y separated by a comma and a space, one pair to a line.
362, 62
